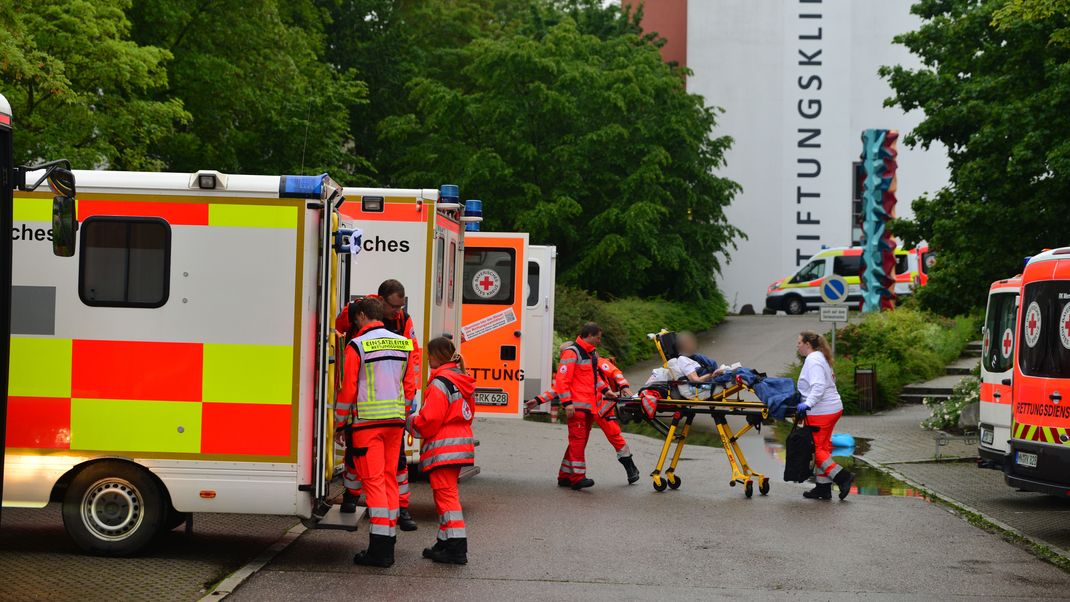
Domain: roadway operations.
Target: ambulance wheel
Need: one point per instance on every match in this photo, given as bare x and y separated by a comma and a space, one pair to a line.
748, 489
113, 509
763, 487
660, 484
795, 305
675, 481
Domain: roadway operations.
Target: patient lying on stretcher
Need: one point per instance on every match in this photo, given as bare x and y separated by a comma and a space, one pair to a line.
692, 372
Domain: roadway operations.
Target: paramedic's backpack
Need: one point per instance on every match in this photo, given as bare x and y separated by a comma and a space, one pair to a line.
800, 454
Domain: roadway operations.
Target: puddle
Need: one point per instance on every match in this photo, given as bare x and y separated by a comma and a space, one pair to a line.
868, 480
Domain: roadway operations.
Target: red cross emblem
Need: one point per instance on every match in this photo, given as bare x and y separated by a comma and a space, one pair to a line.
1008, 341
486, 283
1032, 325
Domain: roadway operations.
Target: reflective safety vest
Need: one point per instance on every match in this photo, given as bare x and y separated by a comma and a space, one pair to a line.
384, 358
445, 420
577, 382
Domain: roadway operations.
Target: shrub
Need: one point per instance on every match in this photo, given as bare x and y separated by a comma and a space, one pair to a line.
944, 415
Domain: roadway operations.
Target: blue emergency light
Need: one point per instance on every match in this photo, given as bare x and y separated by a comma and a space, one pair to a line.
449, 193
301, 187
1027, 258
473, 208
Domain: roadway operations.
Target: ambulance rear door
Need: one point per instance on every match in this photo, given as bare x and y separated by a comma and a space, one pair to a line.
538, 340
492, 315
446, 273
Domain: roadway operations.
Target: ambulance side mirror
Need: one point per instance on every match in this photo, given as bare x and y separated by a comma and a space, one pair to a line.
64, 220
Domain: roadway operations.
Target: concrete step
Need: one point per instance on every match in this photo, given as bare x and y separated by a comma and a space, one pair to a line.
964, 366
973, 349
921, 390
912, 398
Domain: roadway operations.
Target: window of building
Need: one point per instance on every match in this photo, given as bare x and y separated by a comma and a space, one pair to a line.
125, 262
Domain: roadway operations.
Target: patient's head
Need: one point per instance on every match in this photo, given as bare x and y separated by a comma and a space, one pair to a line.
686, 344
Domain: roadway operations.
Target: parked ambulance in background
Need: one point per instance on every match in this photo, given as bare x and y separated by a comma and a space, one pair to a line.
997, 369
1039, 455
801, 292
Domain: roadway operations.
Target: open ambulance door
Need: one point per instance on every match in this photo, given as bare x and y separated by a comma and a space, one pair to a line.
492, 318
537, 348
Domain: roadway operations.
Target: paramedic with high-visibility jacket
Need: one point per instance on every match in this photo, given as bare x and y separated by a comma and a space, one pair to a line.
446, 444
822, 408
581, 392
370, 413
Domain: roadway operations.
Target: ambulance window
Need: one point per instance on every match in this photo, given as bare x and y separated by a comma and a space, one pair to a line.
125, 262
439, 248
927, 261
902, 263
533, 284
812, 271
998, 348
847, 265
489, 276
1044, 334
453, 274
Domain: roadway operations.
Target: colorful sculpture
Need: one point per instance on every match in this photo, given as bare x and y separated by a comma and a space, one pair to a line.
878, 206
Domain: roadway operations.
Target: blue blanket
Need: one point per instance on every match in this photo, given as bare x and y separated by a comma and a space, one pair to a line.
777, 393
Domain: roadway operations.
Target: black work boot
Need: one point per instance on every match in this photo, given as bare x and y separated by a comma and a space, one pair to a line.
405, 522
823, 491
438, 547
844, 479
380, 552
453, 551
564, 482
629, 466
582, 484
349, 503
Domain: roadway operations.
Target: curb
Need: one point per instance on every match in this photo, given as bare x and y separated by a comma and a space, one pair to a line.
235, 579
998, 524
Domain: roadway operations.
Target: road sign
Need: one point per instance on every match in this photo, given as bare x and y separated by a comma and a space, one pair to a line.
833, 314
834, 289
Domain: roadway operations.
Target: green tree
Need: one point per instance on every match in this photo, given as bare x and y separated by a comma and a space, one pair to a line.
590, 144
80, 88
252, 74
994, 85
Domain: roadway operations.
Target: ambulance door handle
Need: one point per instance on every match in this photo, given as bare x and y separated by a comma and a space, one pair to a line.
546, 303
996, 396
1055, 397
516, 333
1006, 382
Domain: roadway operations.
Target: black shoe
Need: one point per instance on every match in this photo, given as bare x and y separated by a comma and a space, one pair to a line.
844, 479
380, 552
439, 545
582, 484
564, 483
349, 503
823, 491
405, 522
453, 551
629, 466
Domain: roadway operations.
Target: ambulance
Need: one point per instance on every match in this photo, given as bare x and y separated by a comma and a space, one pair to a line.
180, 358
997, 359
507, 287
801, 292
1039, 455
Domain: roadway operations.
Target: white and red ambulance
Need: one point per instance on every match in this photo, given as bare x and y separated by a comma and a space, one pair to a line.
997, 368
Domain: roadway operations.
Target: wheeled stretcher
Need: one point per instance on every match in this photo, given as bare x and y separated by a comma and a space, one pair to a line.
661, 405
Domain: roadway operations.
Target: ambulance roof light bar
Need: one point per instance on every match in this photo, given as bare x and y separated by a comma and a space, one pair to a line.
449, 198
473, 215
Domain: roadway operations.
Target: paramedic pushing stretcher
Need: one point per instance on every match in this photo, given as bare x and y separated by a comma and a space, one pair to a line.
822, 408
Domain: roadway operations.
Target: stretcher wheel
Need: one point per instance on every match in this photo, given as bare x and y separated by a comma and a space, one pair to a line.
748, 489
674, 481
660, 484
763, 487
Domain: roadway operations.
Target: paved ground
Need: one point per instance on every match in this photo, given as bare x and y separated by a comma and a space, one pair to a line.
39, 562
533, 540
897, 436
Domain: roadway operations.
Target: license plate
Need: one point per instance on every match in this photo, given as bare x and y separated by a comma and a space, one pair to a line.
1026, 459
987, 437
491, 399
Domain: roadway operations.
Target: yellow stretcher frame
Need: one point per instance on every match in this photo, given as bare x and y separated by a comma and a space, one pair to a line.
723, 403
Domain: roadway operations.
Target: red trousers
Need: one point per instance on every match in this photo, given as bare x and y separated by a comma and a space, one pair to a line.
448, 502
825, 469
352, 481
375, 456
574, 464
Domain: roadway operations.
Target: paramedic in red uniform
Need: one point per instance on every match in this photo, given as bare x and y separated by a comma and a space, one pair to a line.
581, 392
397, 321
445, 428
370, 415
822, 408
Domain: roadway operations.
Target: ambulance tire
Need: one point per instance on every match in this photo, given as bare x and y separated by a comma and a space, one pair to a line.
794, 305
113, 509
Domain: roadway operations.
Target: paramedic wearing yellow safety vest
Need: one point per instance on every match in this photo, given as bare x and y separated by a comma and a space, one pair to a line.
370, 413
822, 408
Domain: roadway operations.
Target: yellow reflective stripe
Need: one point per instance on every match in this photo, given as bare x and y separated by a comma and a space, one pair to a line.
386, 345
32, 209
40, 367
252, 216
136, 426
248, 373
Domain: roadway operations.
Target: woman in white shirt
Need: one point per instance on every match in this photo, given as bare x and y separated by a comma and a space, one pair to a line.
822, 408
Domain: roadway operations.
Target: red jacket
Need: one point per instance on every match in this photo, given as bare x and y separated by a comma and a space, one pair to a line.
612, 375
445, 419
577, 382
399, 323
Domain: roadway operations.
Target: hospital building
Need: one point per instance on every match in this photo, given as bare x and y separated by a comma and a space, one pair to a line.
798, 82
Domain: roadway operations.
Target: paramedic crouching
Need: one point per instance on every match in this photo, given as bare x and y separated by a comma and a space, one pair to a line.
822, 408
